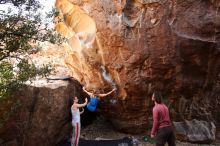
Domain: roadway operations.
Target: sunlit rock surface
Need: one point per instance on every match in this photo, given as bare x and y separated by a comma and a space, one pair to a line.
144, 45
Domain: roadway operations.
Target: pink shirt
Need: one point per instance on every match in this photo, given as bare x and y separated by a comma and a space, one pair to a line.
161, 117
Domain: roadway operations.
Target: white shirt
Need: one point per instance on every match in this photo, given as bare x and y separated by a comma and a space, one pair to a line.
75, 116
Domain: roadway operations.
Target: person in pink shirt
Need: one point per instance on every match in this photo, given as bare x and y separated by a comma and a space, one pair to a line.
162, 127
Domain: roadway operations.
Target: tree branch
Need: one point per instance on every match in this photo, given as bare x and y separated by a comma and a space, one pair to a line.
4, 56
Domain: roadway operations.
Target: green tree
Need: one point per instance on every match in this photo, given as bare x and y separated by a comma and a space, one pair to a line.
20, 30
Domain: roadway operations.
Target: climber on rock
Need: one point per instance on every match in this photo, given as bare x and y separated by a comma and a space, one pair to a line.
76, 120
95, 98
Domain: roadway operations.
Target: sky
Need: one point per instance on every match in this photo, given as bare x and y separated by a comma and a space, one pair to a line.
47, 6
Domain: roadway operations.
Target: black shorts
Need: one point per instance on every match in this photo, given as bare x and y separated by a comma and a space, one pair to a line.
164, 135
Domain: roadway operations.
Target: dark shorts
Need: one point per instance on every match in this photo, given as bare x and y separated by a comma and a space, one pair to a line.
164, 135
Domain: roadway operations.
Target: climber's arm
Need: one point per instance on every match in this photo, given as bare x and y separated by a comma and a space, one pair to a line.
82, 105
82, 111
89, 93
102, 95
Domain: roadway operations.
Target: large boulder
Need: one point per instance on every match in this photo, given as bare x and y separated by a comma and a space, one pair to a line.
43, 114
137, 46
195, 131
39, 113
146, 45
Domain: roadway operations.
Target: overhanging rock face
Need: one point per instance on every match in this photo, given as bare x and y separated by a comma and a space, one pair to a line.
146, 45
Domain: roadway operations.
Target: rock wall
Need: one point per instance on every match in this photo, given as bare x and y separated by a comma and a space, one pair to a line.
195, 131
43, 115
39, 114
146, 45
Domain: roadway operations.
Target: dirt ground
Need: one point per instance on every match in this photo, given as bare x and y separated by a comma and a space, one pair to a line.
102, 129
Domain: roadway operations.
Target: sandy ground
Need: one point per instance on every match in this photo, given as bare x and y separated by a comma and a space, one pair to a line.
102, 129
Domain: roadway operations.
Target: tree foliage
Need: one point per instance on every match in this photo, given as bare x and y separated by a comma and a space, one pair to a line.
19, 33
28, 3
